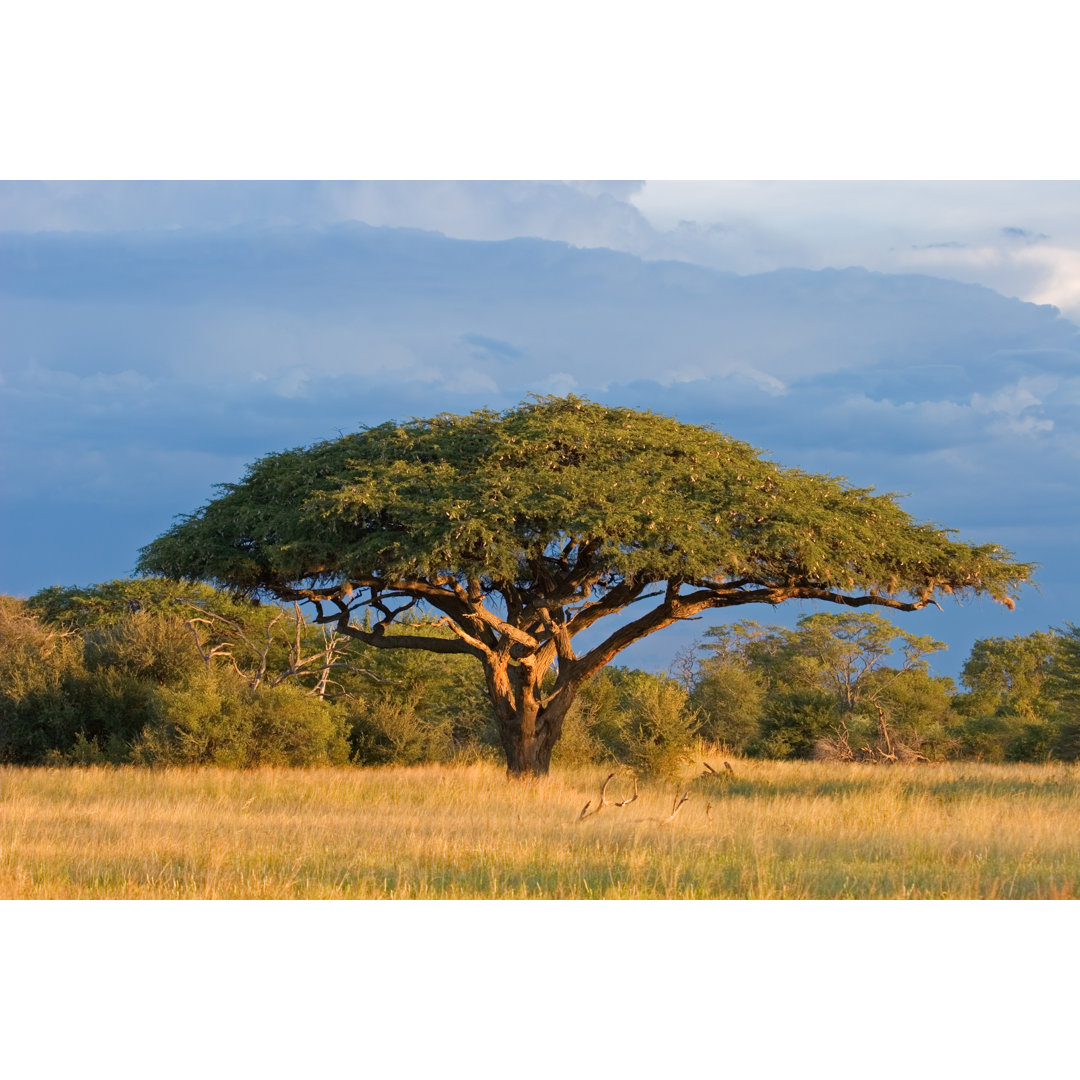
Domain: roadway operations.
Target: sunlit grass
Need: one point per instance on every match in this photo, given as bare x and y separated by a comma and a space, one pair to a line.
770, 830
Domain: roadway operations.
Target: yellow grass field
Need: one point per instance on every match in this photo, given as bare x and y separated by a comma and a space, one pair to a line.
768, 830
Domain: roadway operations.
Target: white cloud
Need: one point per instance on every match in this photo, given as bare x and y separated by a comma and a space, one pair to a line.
1060, 276
560, 383
769, 383
1020, 238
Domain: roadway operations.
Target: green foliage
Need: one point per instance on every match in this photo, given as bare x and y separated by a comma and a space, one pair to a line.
87, 678
588, 729
1014, 708
56, 707
1010, 675
396, 730
143, 669
840, 654
404, 709
37, 665
918, 707
217, 719
791, 692
730, 696
162, 628
986, 737
634, 718
1063, 687
792, 724
142, 645
483, 495
113, 707
94, 606
1063, 673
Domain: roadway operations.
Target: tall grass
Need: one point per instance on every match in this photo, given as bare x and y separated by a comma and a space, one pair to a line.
769, 830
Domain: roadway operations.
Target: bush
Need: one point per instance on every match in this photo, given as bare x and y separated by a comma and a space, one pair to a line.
632, 718
1067, 742
1033, 742
985, 738
37, 666
794, 723
113, 707
217, 719
587, 730
143, 646
390, 730
444, 696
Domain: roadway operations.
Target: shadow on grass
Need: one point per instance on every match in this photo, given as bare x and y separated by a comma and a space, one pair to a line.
1057, 786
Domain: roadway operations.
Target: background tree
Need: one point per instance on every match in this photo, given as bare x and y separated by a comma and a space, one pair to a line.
730, 696
523, 530
730, 685
1011, 674
1064, 687
1011, 705
822, 687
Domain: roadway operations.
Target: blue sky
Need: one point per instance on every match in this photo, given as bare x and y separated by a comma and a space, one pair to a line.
158, 336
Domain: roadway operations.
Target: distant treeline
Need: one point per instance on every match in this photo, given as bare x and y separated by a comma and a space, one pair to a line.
150, 671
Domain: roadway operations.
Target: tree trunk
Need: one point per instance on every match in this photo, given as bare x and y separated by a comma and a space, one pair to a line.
527, 728
526, 754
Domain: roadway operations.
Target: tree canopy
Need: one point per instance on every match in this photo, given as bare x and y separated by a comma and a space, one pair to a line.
524, 528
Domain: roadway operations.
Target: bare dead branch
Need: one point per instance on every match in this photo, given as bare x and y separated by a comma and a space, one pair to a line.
585, 812
676, 806
727, 774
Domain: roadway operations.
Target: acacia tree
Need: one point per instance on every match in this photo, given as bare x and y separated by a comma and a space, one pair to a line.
524, 529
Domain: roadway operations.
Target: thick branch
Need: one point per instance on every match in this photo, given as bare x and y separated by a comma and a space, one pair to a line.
615, 600
807, 593
412, 641
493, 621
675, 608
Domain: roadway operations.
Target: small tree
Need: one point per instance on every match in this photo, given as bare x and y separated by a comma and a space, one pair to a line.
525, 529
1064, 685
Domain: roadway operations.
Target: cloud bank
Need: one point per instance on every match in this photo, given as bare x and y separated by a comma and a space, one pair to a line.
140, 368
1019, 238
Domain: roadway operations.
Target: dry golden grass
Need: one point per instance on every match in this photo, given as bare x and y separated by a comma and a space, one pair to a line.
774, 829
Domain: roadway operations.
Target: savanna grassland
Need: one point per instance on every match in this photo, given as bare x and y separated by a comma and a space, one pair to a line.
767, 830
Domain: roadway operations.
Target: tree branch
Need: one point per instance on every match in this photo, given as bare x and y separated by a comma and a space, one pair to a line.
413, 641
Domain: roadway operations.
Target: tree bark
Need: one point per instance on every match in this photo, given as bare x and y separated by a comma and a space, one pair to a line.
528, 727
